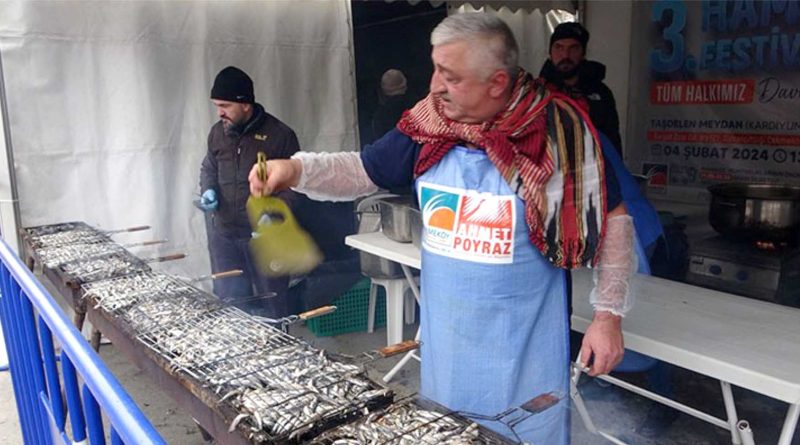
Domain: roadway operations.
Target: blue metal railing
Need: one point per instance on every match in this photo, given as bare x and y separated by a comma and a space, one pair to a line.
89, 387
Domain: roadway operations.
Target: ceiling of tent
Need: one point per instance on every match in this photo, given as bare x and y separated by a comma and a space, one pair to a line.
513, 5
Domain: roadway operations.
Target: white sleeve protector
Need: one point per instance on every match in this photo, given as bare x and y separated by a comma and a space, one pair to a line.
333, 176
615, 267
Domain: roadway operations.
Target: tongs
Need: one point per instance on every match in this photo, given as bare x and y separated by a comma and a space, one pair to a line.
576, 369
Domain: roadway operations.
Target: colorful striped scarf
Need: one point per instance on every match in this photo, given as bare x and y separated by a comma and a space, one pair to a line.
546, 149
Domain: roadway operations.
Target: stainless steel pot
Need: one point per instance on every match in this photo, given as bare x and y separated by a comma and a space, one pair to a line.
416, 227
369, 217
374, 266
759, 212
396, 218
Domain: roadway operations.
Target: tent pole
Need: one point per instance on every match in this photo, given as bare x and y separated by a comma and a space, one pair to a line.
12, 241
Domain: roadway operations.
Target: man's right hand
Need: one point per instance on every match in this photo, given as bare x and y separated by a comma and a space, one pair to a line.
281, 174
208, 201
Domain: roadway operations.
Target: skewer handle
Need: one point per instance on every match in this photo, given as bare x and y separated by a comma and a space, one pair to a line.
136, 228
146, 243
317, 312
226, 274
541, 402
398, 348
176, 256
129, 229
155, 241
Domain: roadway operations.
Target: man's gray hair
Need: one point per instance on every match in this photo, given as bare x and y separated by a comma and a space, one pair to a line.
492, 36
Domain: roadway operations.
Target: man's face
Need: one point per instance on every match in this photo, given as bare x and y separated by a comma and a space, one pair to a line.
566, 55
464, 92
232, 113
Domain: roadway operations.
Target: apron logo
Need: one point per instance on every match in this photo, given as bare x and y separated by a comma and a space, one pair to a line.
260, 137
469, 226
484, 226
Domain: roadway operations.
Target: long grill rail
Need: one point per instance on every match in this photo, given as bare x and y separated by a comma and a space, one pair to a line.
270, 386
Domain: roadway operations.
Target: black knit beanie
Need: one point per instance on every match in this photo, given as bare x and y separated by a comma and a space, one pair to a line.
570, 30
233, 85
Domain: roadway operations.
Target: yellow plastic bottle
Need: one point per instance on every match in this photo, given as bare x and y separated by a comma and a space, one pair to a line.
279, 245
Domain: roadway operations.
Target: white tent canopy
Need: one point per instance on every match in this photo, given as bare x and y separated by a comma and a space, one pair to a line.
108, 112
108, 105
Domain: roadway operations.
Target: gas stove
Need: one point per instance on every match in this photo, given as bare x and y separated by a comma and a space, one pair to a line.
765, 271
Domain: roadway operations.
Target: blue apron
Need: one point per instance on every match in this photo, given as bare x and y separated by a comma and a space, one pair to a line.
493, 309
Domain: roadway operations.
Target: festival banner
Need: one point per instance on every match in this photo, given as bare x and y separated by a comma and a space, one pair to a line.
714, 94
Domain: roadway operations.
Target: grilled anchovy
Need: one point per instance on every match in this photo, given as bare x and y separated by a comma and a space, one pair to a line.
405, 424
53, 257
64, 234
104, 267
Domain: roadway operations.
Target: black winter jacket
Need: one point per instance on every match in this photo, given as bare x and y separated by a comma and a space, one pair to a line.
229, 160
590, 87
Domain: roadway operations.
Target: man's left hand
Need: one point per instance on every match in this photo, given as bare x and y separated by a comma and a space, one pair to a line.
603, 342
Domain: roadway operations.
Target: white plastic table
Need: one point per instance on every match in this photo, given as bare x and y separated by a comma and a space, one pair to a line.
738, 341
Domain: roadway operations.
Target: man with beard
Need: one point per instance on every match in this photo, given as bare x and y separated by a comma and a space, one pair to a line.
244, 129
568, 70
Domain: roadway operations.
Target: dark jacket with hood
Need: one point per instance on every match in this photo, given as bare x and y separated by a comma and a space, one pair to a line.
591, 90
229, 160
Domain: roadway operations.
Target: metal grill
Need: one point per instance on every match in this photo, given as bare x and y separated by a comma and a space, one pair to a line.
195, 344
292, 409
409, 423
56, 235
104, 267
252, 368
52, 257
115, 294
157, 312
280, 385
56, 228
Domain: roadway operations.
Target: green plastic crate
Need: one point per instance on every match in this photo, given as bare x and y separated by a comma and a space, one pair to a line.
352, 309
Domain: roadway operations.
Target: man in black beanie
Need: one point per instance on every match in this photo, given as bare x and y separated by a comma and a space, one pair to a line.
243, 130
569, 71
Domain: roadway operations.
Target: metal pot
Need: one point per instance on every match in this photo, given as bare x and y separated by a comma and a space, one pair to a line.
374, 266
416, 227
760, 212
396, 218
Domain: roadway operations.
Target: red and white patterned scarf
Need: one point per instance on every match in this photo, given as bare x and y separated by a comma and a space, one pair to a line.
546, 148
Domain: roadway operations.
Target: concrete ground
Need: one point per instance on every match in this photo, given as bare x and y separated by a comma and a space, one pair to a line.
613, 409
